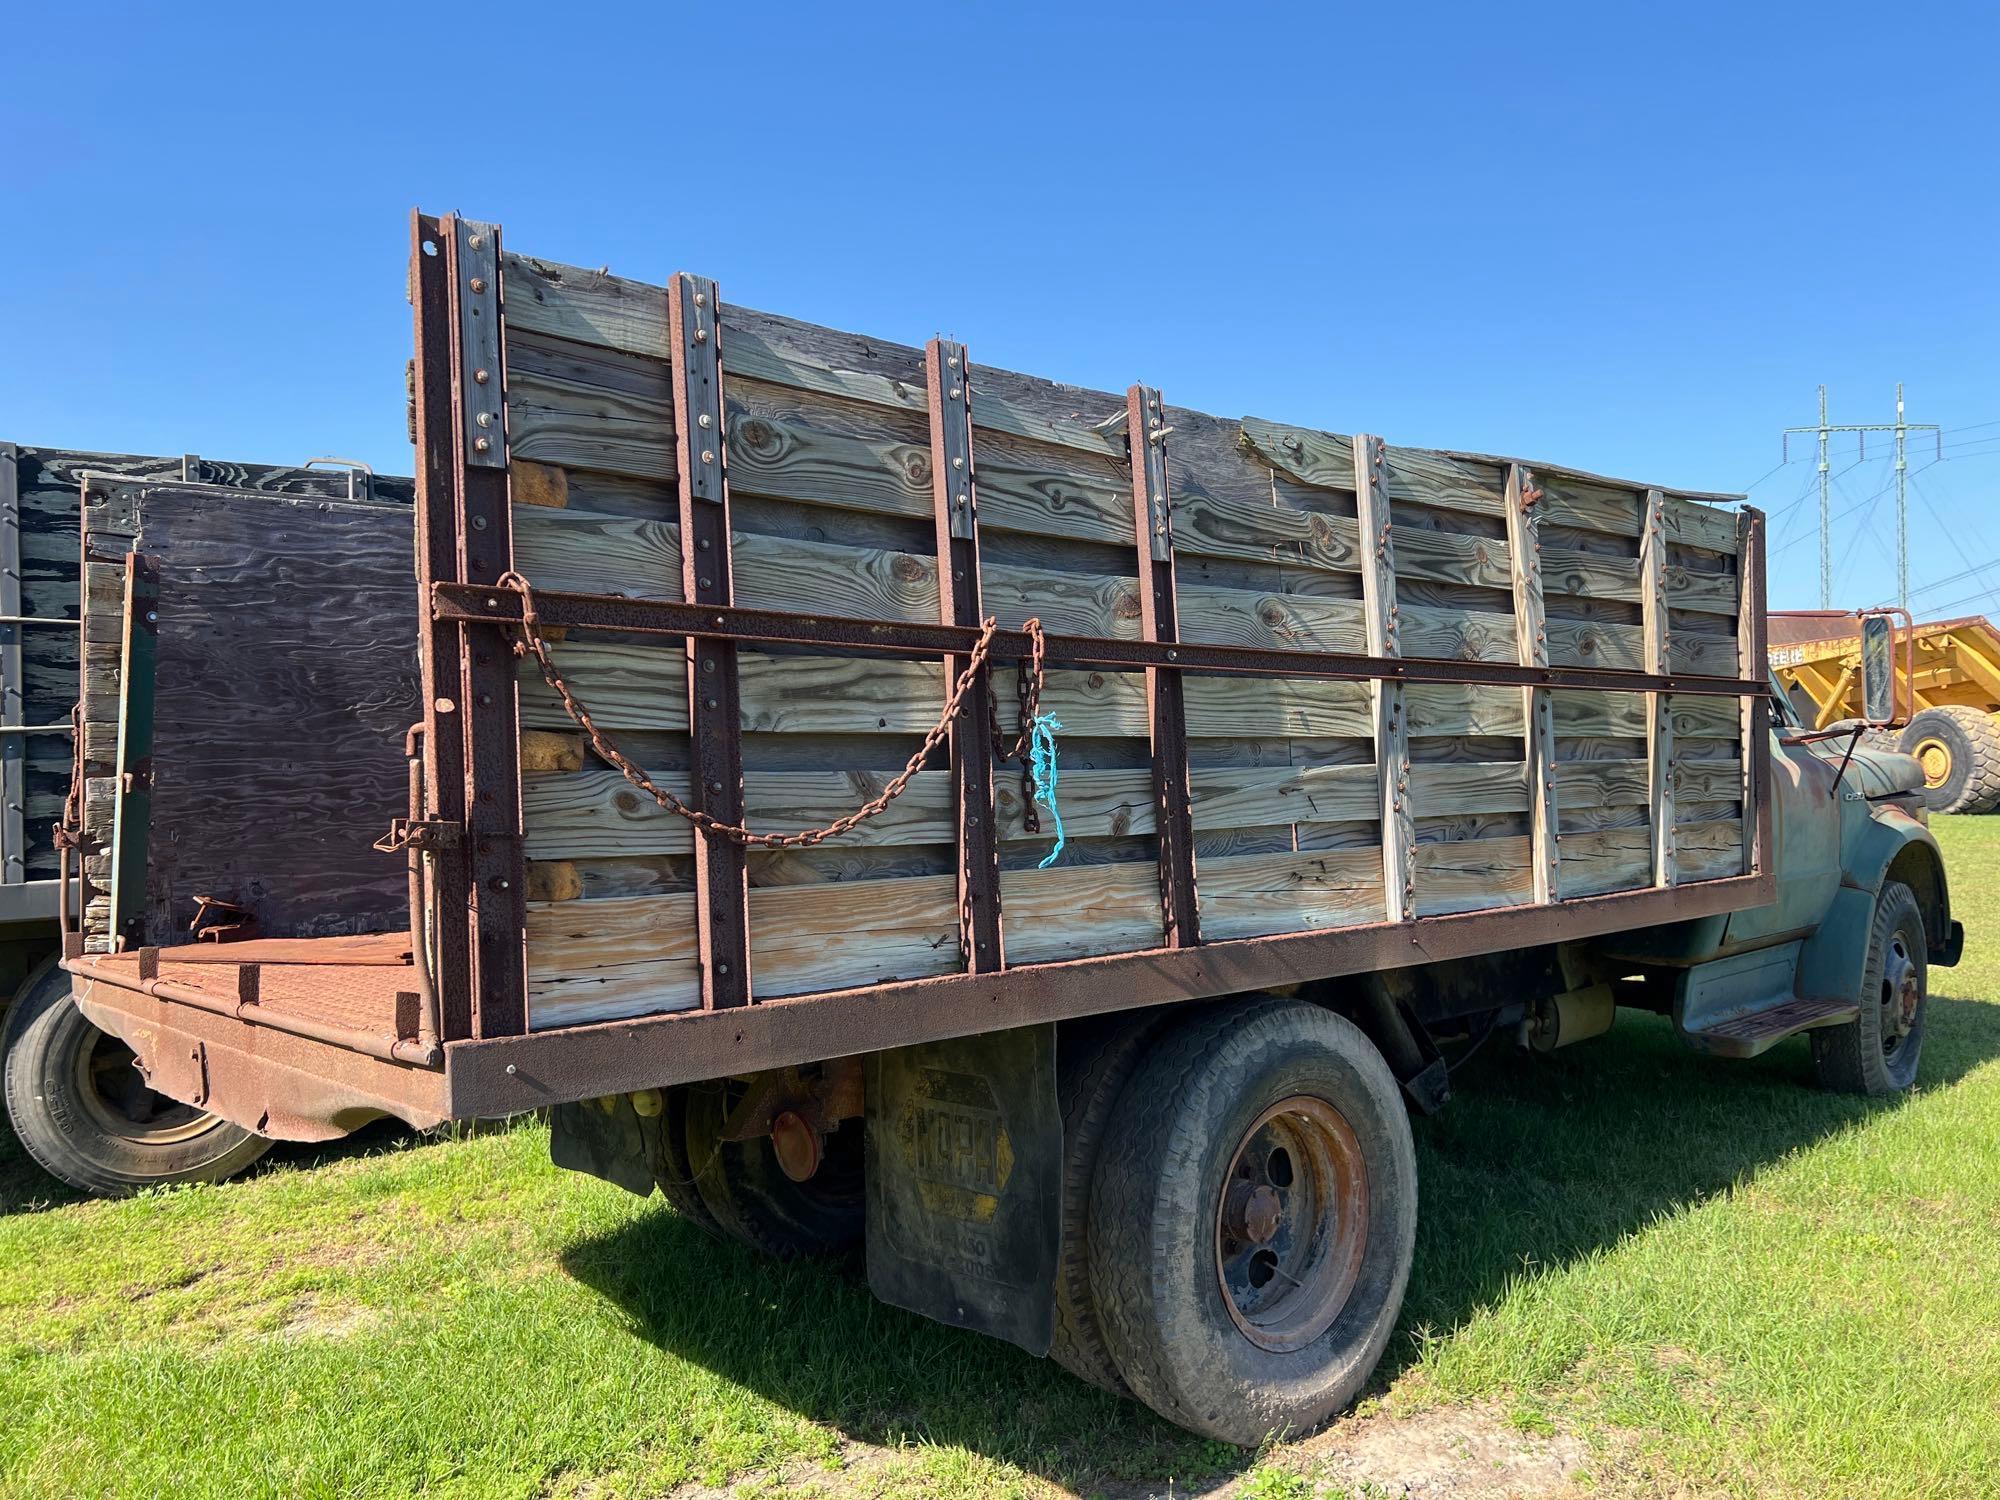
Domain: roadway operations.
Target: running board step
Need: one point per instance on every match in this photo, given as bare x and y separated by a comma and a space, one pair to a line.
1750, 1032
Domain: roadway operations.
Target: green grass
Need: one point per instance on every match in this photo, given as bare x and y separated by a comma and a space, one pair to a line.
1716, 1276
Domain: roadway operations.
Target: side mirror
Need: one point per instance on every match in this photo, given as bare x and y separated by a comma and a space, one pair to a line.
1878, 670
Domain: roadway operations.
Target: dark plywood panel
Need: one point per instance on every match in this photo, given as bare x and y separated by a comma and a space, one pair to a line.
287, 676
51, 481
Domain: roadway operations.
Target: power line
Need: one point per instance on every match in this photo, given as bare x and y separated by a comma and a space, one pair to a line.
1968, 525
1824, 431
1859, 503
1950, 578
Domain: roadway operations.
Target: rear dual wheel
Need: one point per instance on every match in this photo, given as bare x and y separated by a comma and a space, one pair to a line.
1251, 1221
788, 1193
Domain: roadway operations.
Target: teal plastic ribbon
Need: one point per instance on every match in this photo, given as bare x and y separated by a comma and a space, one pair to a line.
1042, 766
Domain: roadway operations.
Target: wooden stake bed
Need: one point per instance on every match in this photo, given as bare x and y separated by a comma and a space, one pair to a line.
830, 481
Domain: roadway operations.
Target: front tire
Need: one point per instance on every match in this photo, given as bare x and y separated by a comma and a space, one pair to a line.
80, 1108
1878, 1051
1252, 1220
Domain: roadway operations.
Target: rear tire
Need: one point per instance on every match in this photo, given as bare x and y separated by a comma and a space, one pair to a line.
1878, 1051
81, 1110
1959, 750
1266, 1135
1095, 1059
674, 1171
749, 1196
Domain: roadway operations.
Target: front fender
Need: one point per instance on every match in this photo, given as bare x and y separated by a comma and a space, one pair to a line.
1883, 842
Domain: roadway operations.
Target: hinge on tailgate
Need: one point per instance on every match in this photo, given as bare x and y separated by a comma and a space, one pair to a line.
421, 833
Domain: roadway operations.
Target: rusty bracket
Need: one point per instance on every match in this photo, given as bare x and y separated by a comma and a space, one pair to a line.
420, 833
478, 266
215, 921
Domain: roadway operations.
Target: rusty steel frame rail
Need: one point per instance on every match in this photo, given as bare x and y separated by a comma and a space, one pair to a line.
442, 730
715, 733
466, 604
955, 511
1146, 433
576, 1062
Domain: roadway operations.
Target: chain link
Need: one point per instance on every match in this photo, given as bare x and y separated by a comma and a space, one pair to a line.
532, 644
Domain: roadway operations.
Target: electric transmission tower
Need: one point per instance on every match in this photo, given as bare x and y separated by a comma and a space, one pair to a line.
1825, 431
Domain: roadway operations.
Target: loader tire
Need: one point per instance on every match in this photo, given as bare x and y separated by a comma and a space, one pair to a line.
1878, 1051
751, 1199
1959, 750
1253, 1219
80, 1108
1094, 1061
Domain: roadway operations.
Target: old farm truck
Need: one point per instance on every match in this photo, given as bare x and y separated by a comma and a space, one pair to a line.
1050, 837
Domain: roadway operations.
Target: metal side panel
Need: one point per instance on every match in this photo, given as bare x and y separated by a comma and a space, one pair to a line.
965, 1182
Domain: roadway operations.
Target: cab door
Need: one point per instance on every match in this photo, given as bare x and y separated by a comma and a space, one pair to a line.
1805, 832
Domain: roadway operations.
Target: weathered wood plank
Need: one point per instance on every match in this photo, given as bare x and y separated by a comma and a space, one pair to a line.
1659, 706
596, 307
1075, 912
1322, 459
639, 558
644, 687
1065, 603
798, 448
1754, 715
1473, 874
1445, 482
1486, 635
1589, 575
1623, 715
1709, 850
1524, 544
1602, 783
1694, 525
595, 960
1391, 722
1251, 895
596, 812
1709, 655
1271, 531
560, 412
1705, 593
1606, 859
1290, 622
1590, 506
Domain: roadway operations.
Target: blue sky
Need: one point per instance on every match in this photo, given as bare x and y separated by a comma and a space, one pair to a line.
1633, 239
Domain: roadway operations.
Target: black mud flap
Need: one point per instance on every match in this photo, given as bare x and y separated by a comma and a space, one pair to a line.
608, 1138
965, 1182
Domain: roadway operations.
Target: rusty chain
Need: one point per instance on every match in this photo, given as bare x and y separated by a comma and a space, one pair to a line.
68, 834
533, 644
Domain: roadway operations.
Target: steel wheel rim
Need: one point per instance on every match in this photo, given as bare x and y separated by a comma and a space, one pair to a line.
115, 1096
1934, 755
1291, 1223
1902, 994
